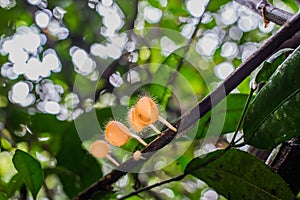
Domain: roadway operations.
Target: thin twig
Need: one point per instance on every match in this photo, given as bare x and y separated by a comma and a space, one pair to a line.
188, 120
181, 61
177, 178
232, 142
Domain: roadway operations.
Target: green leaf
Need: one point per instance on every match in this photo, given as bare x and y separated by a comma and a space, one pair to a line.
238, 175
215, 5
274, 115
270, 66
14, 184
30, 170
235, 104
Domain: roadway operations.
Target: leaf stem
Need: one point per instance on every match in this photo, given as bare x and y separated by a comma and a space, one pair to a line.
232, 142
177, 178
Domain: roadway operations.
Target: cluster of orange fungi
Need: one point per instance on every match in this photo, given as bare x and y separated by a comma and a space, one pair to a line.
143, 114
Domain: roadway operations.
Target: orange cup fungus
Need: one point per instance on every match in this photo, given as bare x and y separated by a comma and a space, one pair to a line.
118, 134
100, 149
145, 113
146, 110
136, 124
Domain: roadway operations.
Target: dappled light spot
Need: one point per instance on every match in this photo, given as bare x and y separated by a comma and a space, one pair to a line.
20, 94
34, 2
116, 80
223, 70
167, 45
235, 33
112, 18
168, 192
64, 113
196, 7
188, 30
228, 14
83, 64
105, 51
34, 69
25, 39
48, 91
23, 49
247, 50
152, 15
7, 70
99, 50
106, 100
42, 156
50, 96
107, 3
229, 50
59, 12
51, 60
210, 194
72, 100
42, 19
125, 100
20, 91
247, 23
52, 107
133, 76
113, 51
208, 44
57, 30
8, 4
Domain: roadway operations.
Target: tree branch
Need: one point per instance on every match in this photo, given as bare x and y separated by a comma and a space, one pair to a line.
286, 163
191, 117
271, 13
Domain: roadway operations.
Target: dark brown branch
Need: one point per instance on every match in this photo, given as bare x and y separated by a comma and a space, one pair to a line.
287, 162
188, 120
271, 13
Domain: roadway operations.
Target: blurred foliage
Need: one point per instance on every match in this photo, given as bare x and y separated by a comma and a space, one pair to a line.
48, 153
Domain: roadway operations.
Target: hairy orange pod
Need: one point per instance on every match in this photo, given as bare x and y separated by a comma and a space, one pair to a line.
146, 110
118, 134
136, 124
100, 149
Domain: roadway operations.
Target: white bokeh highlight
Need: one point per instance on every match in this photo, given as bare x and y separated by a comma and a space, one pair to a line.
222, 70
